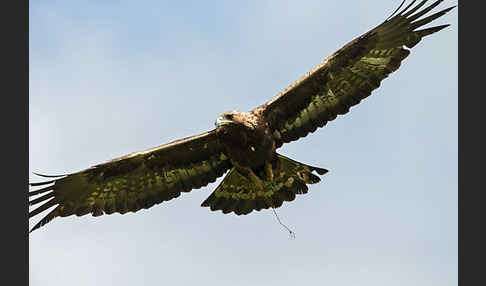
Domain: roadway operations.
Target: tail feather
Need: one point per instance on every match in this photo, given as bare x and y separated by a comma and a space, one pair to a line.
237, 194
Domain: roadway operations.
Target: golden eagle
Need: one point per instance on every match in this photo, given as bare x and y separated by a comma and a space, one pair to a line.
244, 143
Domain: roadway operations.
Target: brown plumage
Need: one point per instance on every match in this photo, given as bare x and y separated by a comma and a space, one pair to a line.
244, 143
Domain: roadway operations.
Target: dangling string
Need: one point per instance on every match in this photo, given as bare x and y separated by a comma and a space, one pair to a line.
291, 233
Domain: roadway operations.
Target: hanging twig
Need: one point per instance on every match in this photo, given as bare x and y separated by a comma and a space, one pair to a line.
291, 233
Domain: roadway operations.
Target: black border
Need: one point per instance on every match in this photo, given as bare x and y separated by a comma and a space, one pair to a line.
15, 148
471, 122
471, 144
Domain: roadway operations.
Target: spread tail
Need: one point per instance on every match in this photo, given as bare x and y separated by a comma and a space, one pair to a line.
239, 195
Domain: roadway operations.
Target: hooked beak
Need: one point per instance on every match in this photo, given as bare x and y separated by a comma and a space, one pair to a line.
220, 121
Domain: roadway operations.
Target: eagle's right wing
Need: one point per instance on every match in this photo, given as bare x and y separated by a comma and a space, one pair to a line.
135, 181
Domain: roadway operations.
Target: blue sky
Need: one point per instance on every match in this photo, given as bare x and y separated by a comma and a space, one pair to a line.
111, 77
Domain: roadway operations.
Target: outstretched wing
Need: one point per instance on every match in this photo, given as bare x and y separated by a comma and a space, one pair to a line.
347, 76
135, 181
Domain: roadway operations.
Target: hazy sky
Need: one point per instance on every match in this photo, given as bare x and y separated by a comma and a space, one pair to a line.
111, 77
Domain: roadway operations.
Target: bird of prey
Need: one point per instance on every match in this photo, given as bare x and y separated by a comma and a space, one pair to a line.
244, 143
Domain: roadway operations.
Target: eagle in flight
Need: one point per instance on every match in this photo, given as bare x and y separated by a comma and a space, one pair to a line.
244, 143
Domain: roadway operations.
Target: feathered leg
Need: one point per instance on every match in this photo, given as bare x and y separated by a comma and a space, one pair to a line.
250, 175
269, 171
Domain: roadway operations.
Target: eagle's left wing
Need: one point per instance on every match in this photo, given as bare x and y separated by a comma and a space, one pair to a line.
347, 76
138, 180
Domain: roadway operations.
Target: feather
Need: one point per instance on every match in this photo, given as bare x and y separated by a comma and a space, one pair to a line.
424, 11
42, 198
49, 176
290, 178
348, 75
134, 181
51, 215
414, 8
406, 8
40, 191
403, 2
41, 183
430, 18
43, 207
428, 31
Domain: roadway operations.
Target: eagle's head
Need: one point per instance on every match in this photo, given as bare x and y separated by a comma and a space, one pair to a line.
235, 118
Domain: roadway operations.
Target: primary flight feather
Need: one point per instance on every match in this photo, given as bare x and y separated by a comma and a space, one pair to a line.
244, 143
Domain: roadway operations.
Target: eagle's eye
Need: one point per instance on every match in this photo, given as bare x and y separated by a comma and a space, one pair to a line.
228, 116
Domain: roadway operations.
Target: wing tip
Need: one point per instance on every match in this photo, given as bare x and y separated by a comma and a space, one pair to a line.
41, 183
393, 14
321, 171
45, 220
42, 198
41, 191
410, 13
429, 31
49, 176
46, 176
